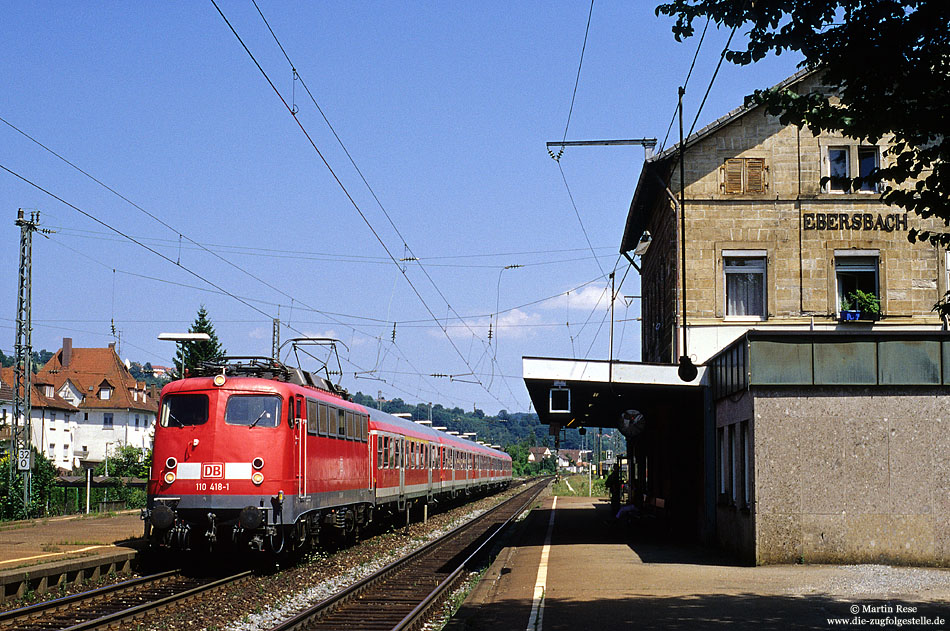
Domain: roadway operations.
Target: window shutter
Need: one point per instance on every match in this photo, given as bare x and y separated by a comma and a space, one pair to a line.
755, 175
732, 175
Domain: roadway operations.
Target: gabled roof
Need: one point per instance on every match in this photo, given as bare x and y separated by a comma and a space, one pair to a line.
657, 169
733, 115
37, 398
90, 368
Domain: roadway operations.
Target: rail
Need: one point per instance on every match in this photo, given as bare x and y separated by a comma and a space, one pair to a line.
402, 594
108, 606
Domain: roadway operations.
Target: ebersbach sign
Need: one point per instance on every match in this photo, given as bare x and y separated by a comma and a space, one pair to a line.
854, 221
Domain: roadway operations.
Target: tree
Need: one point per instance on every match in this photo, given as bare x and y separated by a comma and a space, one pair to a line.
43, 480
889, 62
126, 461
193, 354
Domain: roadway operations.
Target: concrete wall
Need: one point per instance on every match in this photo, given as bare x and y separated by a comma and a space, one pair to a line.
852, 474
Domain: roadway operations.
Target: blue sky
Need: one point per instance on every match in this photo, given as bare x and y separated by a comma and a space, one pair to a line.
444, 107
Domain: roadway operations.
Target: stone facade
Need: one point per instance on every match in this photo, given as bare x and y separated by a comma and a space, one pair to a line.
755, 185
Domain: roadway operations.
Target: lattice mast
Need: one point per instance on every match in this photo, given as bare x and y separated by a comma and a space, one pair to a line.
21, 438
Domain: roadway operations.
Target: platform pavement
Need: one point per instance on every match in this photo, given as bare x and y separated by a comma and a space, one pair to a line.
603, 576
41, 541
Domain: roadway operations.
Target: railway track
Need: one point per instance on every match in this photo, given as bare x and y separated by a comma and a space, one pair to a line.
402, 595
112, 605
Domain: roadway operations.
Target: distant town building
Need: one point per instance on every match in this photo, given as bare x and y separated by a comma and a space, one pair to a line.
162, 372
537, 454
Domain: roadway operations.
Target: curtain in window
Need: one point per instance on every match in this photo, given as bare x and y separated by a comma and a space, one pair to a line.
744, 294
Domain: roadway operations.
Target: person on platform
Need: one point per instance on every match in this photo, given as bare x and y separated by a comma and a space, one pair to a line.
614, 485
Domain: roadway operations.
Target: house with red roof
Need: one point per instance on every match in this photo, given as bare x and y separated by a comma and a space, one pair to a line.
50, 417
112, 407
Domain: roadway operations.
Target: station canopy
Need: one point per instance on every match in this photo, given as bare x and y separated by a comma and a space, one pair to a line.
576, 393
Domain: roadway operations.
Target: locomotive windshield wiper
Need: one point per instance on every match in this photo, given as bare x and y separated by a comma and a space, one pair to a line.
258, 419
172, 417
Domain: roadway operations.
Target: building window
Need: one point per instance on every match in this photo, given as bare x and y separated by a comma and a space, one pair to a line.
49, 391
855, 271
733, 464
744, 463
107, 420
65, 452
868, 162
52, 450
745, 284
105, 393
845, 163
723, 460
744, 175
839, 169
136, 420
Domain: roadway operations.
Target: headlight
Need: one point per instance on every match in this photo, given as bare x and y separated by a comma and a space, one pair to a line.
169, 477
257, 478
219, 380
257, 463
171, 463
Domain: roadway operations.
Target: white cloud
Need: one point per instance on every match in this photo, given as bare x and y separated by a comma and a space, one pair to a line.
586, 299
260, 333
515, 324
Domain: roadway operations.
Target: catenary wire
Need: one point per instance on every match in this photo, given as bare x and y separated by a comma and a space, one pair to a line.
577, 79
347, 193
366, 183
224, 291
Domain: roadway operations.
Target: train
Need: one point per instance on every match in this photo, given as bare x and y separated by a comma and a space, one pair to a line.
273, 458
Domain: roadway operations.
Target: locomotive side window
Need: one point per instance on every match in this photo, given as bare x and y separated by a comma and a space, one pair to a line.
322, 422
379, 452
351, 426
364, 427
179, 410
311, 416
253, 410
341, 423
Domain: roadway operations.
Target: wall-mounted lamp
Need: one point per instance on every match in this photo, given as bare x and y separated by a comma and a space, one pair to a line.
641, 248
644, 244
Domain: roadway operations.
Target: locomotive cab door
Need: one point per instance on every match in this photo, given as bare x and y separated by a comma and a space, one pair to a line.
300, 442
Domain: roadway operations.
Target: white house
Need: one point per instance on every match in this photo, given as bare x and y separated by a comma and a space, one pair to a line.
112, 408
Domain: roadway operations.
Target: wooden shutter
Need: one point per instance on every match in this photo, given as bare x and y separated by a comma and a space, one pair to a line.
755, 175
732, 176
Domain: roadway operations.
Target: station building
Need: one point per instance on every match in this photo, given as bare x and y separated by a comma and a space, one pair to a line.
817, 426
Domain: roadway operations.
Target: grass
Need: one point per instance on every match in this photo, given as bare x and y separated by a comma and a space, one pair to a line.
576, 486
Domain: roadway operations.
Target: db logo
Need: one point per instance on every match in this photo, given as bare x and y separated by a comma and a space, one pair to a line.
212, 470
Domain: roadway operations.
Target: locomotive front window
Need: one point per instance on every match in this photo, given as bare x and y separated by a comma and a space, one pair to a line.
253, 410
179, 410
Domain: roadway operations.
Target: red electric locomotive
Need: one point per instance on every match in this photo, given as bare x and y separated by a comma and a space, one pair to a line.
267, 456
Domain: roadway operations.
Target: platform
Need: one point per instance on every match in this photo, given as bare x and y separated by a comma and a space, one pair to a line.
38, 554
597, 574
